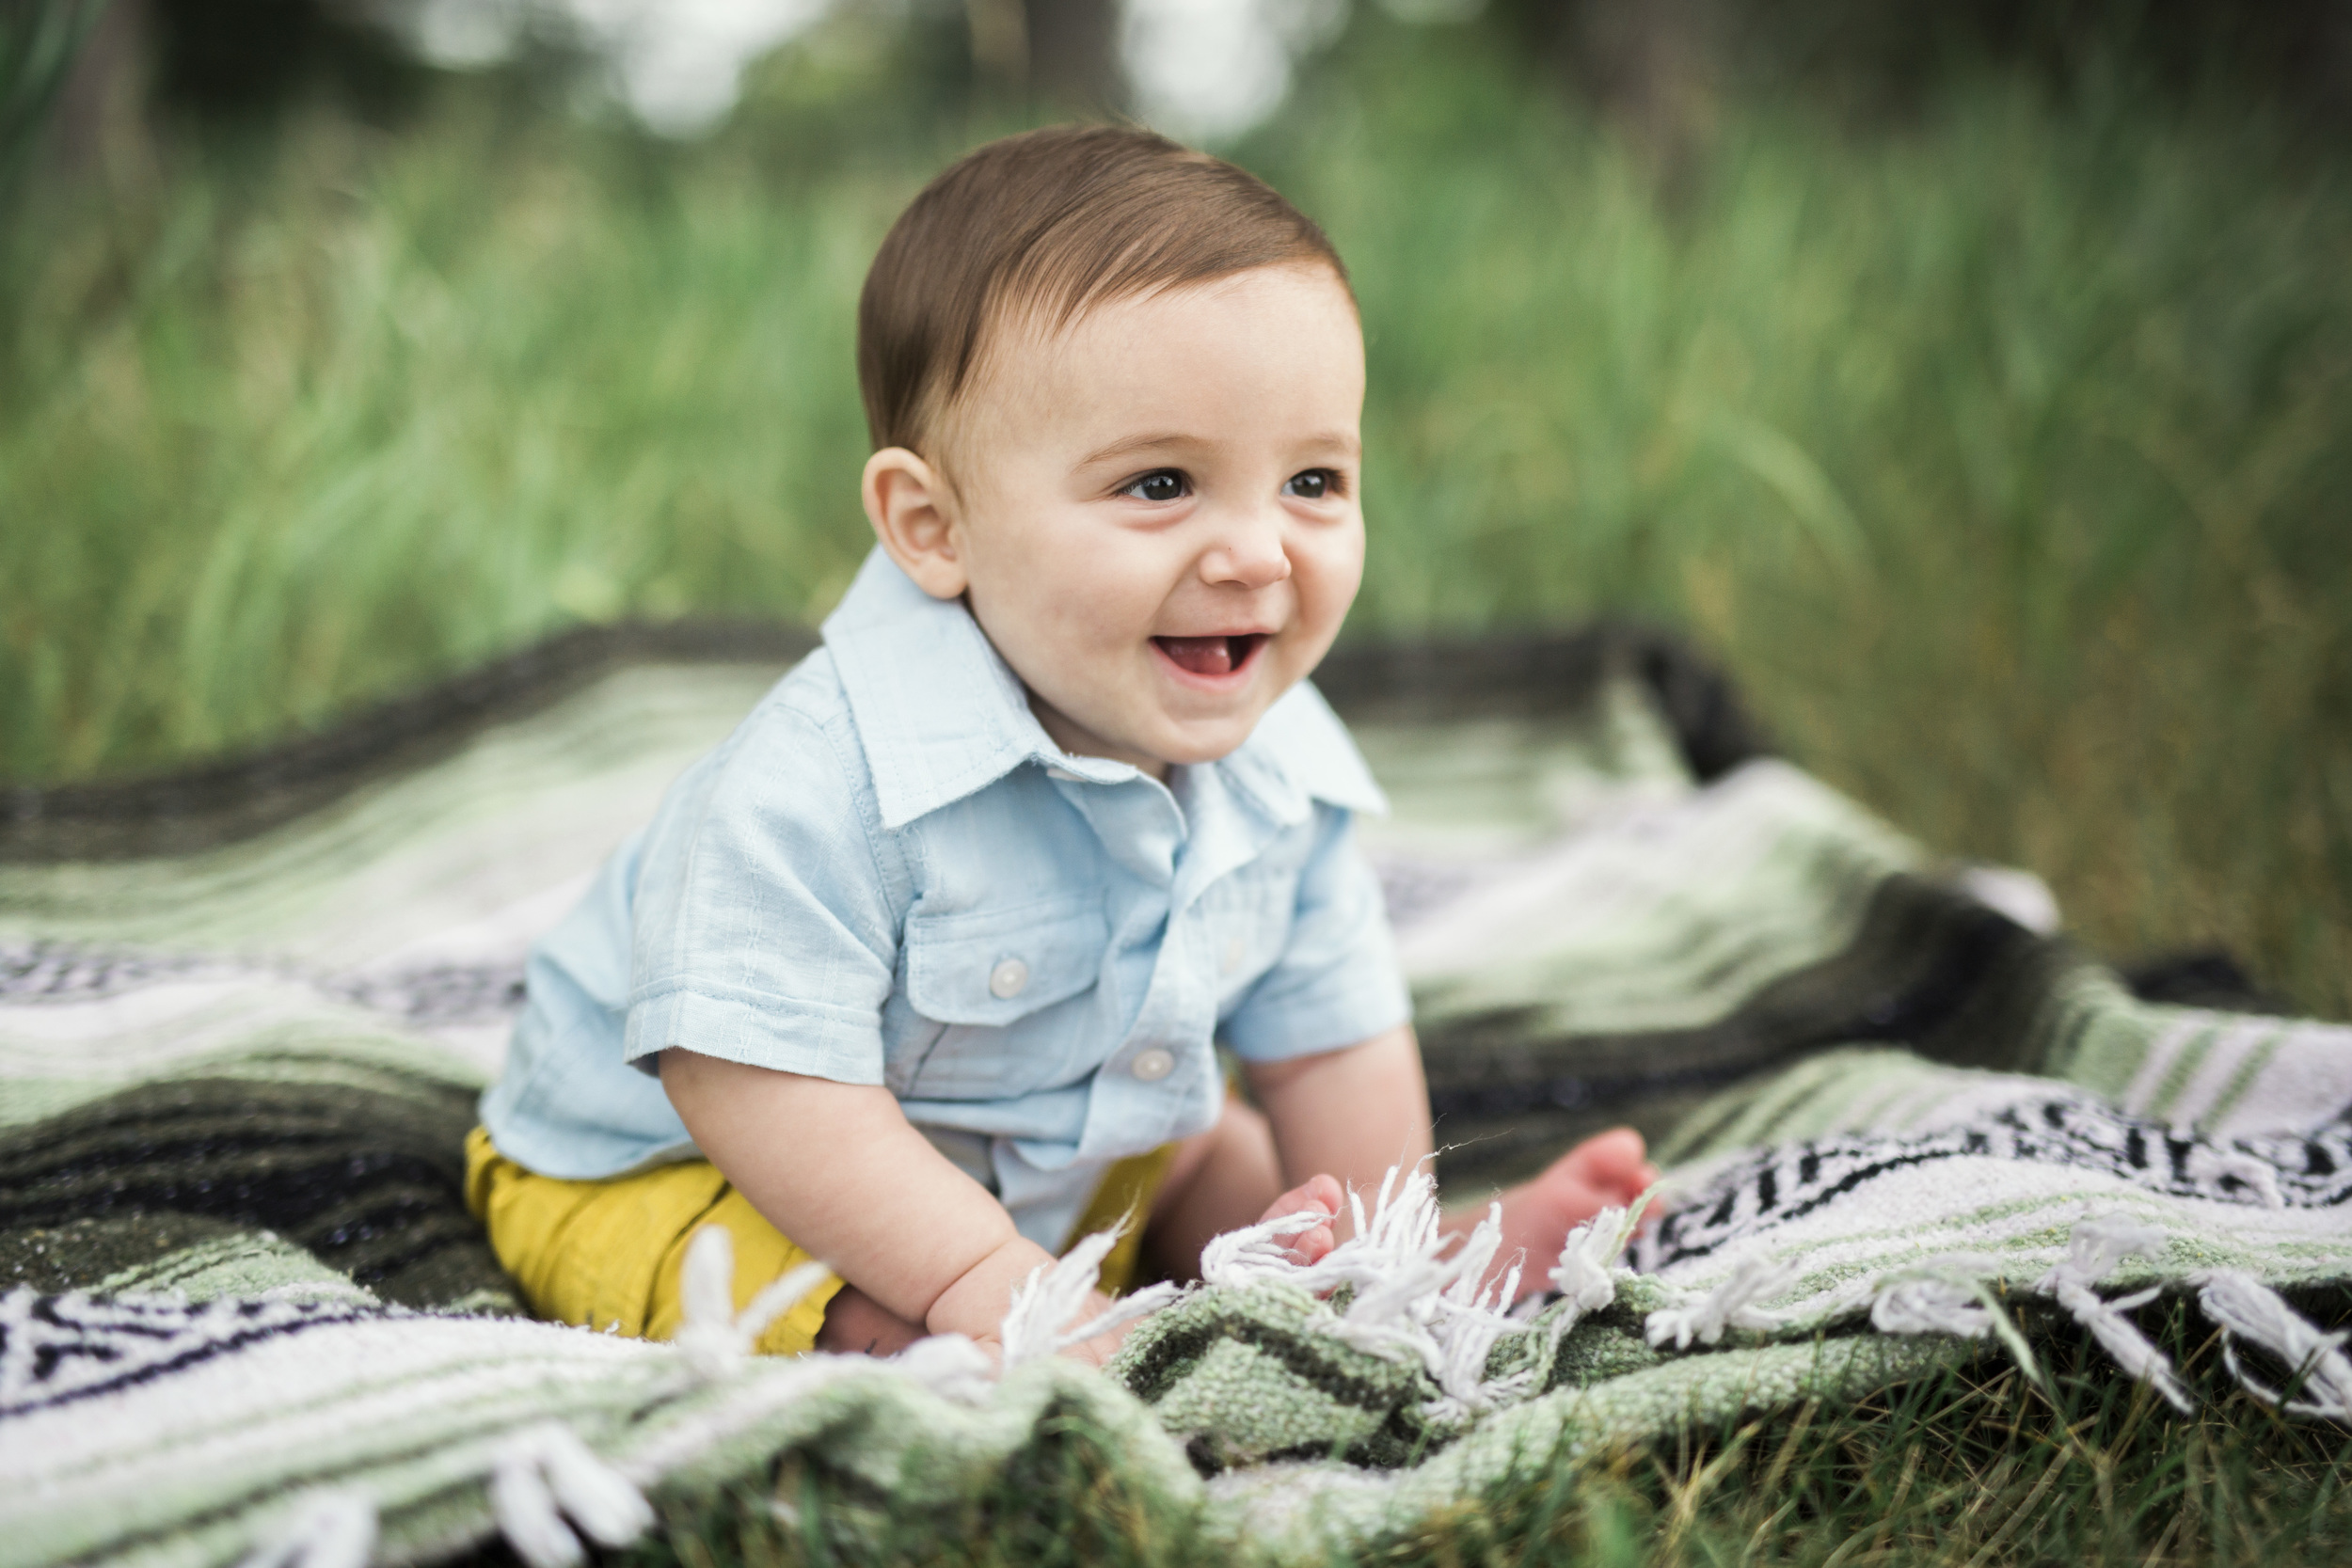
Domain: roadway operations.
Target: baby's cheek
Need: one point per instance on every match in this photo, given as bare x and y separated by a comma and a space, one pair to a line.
1328, 568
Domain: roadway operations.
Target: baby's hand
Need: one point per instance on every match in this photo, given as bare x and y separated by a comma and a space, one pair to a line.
1317, 1192
977, 1303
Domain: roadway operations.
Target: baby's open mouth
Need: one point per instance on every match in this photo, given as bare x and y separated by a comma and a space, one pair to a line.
1212, 655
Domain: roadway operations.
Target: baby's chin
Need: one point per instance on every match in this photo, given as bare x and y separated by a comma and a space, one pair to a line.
1194, 742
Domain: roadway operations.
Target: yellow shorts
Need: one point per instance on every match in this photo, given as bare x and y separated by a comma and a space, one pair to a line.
608, 1254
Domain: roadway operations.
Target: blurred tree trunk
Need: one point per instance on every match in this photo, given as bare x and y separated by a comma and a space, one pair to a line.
1000, 43
58, 59
1073, 55
1652, 66
102, 113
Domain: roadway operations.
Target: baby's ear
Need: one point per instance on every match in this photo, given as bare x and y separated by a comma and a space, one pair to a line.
908, 503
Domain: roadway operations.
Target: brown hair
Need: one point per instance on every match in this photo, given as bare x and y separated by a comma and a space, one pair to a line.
1046, 225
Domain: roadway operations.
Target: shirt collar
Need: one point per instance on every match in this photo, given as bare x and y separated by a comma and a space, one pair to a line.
941, 714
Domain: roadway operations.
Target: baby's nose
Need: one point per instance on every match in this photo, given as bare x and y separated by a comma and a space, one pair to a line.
1248, 553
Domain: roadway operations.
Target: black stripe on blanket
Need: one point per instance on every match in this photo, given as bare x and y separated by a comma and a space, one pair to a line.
2068, 1132
57, 1349
1930, 968
369, 1181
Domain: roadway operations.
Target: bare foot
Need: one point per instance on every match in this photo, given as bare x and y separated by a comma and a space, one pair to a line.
1322, 1193
1608, 1170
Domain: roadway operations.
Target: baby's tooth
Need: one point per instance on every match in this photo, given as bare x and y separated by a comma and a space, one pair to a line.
1202, 656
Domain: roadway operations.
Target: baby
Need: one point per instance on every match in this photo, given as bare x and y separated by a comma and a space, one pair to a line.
921, 972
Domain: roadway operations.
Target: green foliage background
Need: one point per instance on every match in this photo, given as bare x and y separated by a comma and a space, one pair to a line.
2001, 446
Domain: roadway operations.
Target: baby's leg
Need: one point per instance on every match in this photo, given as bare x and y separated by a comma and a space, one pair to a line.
1225, 1179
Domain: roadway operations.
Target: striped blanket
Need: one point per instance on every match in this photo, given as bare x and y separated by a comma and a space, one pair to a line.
243, 1014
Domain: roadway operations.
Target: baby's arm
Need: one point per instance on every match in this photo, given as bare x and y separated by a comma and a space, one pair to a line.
852, 1182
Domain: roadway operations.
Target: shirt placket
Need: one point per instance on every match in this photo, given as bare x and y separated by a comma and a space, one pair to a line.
1162, 1077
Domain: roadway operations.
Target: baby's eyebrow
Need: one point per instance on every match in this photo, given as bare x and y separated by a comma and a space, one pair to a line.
1128, 445
1344, 442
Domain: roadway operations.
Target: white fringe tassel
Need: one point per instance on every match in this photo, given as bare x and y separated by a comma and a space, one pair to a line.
950, 1366
1941, 1295
1411, 1299
544, 1475
1055, 1294
1755, 1276
1415, 1294
1255, 1253
331, 1528
715, 1339
1591, 1265
2243, 1307
2097, 1245
1472, 1315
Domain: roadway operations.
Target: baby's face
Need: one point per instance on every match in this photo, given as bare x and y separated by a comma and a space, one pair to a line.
1156, 515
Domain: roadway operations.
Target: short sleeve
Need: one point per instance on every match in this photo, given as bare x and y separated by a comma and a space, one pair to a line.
763, 931
1338, 981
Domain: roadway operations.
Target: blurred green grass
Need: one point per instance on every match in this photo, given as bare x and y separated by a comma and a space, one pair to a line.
2003, 450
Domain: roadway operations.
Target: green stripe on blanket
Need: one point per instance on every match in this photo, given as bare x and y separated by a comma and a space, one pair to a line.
248, 1311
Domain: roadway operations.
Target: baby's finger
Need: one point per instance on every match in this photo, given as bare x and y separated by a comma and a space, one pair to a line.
1311, 1247
1325, 1193
1318, 1194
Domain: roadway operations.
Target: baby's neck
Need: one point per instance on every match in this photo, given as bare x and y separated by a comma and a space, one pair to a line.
1078, 742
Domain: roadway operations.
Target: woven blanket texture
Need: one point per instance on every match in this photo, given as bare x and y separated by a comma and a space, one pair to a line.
246, 1317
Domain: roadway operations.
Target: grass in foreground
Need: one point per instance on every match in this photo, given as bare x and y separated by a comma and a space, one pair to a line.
1974, 1467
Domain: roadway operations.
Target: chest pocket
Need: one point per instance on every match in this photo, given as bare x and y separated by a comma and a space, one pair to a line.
995, 967
984, 976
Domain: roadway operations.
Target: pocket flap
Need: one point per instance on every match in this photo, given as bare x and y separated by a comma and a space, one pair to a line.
992, 966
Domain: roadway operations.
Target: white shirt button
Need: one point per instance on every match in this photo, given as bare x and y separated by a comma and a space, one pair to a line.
1152, 1065
1234, 953
1008, 979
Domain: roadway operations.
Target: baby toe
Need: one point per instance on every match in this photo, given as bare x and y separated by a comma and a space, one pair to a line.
1616, 1162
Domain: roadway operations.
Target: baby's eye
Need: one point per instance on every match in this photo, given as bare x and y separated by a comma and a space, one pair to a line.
1160, 484
1314, 486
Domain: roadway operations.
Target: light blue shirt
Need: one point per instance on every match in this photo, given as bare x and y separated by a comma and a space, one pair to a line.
889, 874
